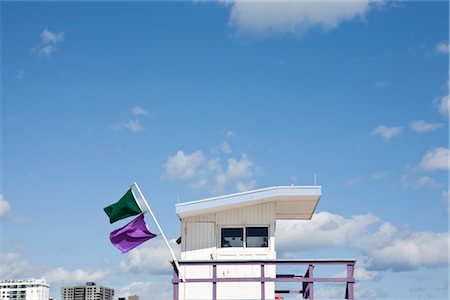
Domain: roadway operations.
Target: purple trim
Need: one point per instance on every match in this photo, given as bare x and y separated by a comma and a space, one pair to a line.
307, 280
214, 274
310, 293
263, 289
175, 281
349, 288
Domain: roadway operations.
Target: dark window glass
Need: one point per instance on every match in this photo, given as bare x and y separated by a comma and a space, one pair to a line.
257, 237
232, 237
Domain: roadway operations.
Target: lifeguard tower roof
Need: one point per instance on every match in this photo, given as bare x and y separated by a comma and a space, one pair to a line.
292, 202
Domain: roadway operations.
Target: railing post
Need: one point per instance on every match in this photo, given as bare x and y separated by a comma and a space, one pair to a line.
263, 289
311, 284
214, 287
349, 292
175, 282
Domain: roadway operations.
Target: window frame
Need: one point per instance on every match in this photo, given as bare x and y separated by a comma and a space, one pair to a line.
244, 236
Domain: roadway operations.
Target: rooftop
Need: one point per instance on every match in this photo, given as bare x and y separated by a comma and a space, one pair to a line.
292, 202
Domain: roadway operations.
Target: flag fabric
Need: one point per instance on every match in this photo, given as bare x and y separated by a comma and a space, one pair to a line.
131, 235
125, 207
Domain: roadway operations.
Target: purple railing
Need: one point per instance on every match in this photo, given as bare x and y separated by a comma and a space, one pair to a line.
307, 280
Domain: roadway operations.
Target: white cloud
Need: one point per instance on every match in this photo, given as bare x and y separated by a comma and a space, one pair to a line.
238, 172
4, 207
13, 266
224, 147
400, 251
48, 37
444, 105
131, 125
442, 47
202, 172
60, 275
138, 111
134, 126
435, 159
420, 182
184, 166
293, 17
387, 133
422, 126
385, 248
425, 181
324, 230
151, 258
361, 292
49, 40
160, 289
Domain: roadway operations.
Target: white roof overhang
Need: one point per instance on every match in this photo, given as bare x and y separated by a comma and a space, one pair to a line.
292, 202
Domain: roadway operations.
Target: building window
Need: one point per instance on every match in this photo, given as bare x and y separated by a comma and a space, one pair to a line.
255, 237
232, 237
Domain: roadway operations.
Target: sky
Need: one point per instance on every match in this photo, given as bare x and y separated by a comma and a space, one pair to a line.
198, 99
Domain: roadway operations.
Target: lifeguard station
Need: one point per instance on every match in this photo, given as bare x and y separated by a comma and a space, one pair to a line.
228, 246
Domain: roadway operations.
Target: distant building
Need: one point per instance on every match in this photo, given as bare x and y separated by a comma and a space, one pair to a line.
90, 291
29, 289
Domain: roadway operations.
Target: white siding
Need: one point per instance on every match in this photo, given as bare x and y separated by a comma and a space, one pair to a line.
262, 214
201, 241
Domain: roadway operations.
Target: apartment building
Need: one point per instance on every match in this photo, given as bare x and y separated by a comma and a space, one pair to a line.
28, 289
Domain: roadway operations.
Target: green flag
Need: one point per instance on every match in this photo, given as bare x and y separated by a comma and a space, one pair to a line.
125, 207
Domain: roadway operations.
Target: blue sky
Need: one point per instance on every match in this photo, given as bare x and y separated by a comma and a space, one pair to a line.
194, 99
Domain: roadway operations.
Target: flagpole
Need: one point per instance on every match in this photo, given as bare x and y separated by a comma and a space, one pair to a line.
161, 231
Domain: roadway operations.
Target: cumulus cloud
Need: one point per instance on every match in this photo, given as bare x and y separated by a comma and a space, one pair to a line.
49, 41
160, 289
184, 166
382, 245
4, 207
264, 18
442, 48
386, 132
203, 172
390, 249
324, 230
138, 111
151, 258
13, 266
60, 275
435, 159
423, 126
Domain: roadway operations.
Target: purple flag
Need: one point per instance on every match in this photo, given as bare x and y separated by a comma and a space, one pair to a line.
131, 235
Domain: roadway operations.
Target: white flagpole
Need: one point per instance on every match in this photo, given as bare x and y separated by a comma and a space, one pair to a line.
161, 231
